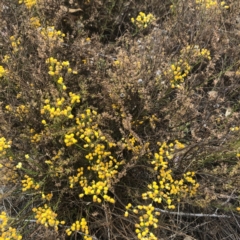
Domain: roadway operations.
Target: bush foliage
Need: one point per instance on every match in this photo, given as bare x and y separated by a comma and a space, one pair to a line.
119, 119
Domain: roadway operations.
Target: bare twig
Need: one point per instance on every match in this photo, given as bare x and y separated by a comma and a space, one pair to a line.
228, 199
192, 214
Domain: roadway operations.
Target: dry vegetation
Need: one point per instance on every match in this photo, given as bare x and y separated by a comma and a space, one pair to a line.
119, 119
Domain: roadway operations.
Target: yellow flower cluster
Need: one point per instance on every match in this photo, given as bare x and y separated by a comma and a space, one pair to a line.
100, 159
196, 52
5, 59
86, 130
69, 139
75, 179
166, 188
5, 231
29, 3
48, 197
119, 111
211, 4
49, 33
15, 42
28, 183
74, 98
116, 63
192, 189
47, 217
20, 111
80, 226
8, 108
147, 220
35, 22
143, 20
131, 144
235, 129
56, 67
105, 167
2, 71
96, 189
56, 111
205, 53
36, 137
177, 145
4, 145
137, 122
61, 109
178, 72
19, 165
152, 120
4, 220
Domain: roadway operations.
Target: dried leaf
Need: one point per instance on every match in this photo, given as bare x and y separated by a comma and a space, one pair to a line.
230, 73
212, 95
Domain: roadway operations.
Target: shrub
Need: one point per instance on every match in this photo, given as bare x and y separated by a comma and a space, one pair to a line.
119, 120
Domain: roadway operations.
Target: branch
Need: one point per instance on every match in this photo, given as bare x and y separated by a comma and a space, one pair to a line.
192, 214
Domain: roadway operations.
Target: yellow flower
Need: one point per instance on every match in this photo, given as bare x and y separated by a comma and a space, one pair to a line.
19, 165
2, 71
44, 122
35, 22
60, 80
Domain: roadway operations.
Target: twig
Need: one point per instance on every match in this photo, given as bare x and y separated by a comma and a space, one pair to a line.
228, 199
192, 214
105, 207
235, 219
